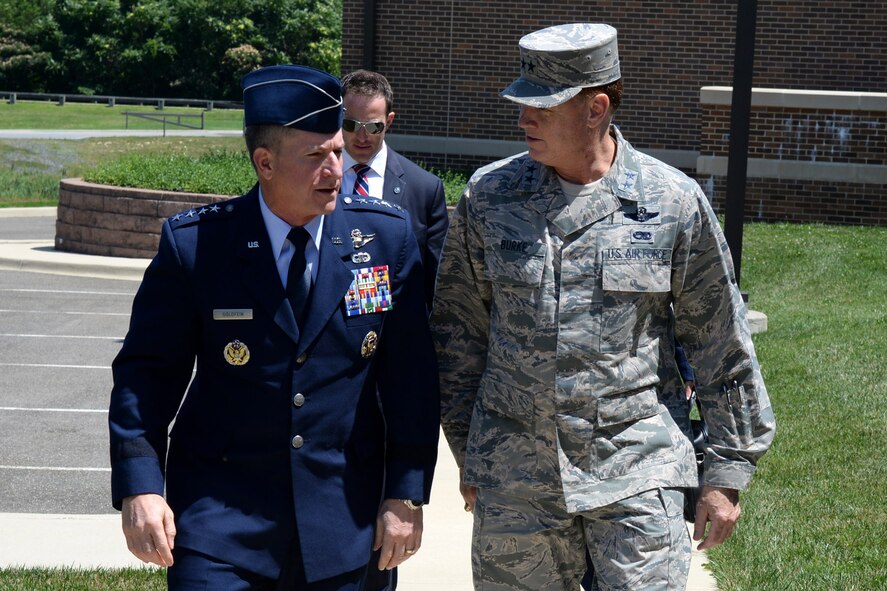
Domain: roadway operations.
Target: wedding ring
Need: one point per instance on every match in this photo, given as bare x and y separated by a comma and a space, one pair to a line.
467, 508
410, 551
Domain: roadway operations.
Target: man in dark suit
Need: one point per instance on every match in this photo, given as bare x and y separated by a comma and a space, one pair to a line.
308, 435
372, 168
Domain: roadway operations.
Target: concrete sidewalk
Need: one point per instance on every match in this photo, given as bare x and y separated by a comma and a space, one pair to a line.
442, 564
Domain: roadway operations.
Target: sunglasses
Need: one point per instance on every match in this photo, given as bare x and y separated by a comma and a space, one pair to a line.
372, 127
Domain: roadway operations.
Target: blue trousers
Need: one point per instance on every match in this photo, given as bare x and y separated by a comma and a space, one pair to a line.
194, 571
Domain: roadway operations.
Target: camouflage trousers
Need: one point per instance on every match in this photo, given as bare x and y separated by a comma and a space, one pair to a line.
533, 544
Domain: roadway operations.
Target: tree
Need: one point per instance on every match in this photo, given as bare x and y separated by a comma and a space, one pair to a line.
149, 49
228, 36
89, 44
165, 48
21, 64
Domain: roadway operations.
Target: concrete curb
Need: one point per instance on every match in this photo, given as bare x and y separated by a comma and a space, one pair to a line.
57, 541
40, 256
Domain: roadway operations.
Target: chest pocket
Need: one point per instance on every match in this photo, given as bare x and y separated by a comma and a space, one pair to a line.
514, 247
515, 262
633, 287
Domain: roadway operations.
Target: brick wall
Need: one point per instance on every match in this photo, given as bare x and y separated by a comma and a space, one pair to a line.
788, 200
448, 60
819, 157
817, 135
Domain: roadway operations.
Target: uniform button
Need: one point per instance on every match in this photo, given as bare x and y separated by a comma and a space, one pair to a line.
298, 399
301, 358
298, 441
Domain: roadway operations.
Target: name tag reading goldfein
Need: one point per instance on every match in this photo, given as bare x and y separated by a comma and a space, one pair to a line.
369, 292
233, 314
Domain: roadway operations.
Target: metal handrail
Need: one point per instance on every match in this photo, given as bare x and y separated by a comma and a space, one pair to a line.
165, 118
112, 100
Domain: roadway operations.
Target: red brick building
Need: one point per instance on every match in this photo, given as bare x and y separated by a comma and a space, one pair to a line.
814, 156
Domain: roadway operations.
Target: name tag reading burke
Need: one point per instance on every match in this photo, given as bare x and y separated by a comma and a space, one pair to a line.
233, 314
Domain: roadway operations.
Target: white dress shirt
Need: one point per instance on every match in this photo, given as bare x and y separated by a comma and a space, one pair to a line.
375, 176
282, 248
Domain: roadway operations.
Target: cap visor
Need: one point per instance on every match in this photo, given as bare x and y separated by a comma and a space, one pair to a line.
528, 93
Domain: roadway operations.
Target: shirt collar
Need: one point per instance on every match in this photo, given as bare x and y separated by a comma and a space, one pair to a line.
377, 163
279, 229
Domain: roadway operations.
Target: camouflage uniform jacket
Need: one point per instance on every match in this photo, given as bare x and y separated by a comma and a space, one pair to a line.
548, 320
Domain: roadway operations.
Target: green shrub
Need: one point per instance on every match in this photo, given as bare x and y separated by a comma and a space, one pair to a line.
221, 172
454, 183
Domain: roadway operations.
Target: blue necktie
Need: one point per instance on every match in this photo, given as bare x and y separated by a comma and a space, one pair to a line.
361, 186
298, 282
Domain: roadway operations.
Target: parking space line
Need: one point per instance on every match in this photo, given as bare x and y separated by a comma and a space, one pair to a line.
62, 291
24, 409
59, 336
45, 312
55, 366
55, 468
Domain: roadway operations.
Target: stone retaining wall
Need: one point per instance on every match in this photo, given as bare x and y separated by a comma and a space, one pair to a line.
117, 221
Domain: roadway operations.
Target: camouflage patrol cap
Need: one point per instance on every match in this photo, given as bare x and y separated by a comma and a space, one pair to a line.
558, 62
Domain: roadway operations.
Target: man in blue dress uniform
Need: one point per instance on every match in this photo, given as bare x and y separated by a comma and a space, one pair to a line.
308, 436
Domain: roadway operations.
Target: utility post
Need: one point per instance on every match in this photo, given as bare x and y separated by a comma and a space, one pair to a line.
740, 113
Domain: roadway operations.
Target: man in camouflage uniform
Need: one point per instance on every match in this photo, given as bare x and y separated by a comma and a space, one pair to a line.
551, 322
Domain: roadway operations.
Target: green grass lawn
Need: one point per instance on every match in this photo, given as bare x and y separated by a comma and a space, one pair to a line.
816, 515
30, 170
68, 579
48, 115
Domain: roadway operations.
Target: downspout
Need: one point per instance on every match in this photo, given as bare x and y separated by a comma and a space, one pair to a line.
369, 34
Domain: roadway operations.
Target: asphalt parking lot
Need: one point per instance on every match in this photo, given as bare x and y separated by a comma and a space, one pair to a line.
59, 335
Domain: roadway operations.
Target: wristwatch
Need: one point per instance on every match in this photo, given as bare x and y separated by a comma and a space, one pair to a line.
413, 505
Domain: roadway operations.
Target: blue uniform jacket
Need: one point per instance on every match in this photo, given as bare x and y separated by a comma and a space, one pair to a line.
313, 429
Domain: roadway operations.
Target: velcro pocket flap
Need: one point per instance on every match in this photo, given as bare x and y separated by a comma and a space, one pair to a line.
625, 408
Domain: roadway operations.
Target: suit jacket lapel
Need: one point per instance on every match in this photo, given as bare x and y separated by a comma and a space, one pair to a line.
258, 267
395, 186
333, 277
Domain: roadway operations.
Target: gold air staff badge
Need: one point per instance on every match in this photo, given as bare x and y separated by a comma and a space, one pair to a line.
369, 344
236, 353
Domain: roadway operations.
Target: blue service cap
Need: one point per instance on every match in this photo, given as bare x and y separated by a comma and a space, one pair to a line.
293, 96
